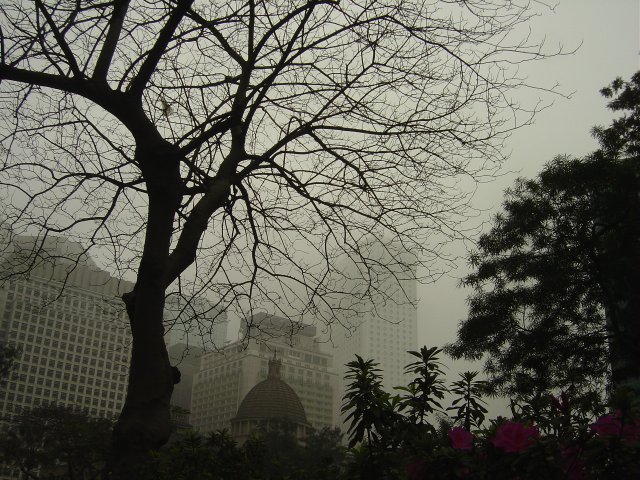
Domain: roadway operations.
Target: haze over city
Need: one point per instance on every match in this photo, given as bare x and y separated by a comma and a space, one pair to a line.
217, 217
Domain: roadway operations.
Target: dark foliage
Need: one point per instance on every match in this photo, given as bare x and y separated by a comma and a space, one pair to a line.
57, 442
547, 437
266, 455
556, 280
8, 356
425, 391
369, 407
468, 406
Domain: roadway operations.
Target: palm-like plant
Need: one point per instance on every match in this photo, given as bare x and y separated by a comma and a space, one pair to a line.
468, 405
424, 392
369, 407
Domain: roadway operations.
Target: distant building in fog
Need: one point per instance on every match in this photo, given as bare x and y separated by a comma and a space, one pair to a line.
67, 318
225, 377
271, 405
382, 327
187, 359
193, 327
194, 322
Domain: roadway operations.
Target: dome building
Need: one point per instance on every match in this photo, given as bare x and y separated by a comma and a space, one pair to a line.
225, 377
271, 404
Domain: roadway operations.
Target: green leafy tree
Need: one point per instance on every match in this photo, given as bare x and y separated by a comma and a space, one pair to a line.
323, 455
194, 457
53, 441
236, 148
272, 454
617, 253
375, 425
556, 280
318, 458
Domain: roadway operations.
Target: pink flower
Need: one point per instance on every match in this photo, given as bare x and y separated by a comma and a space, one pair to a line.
416, 470
611, 425
514, 437
607, 425
572, 466
461, 439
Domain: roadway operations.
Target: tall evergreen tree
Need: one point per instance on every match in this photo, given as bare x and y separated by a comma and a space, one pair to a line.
56, 442
557, 279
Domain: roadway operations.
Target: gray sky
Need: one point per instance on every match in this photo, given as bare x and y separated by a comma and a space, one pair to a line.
609, 34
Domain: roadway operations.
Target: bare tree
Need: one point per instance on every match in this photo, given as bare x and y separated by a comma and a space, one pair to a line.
234, 142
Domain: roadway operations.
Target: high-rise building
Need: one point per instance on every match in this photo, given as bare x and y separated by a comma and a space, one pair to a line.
71, 327
195, 322
225, 377
192, 327
187, 359
382, 322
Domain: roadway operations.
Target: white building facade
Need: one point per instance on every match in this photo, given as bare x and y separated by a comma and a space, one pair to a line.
72, 329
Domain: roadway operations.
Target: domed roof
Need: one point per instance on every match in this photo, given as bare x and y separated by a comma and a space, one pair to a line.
272, 398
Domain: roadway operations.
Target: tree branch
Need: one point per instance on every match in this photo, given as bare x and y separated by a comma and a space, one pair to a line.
41, 79
111, 41
185, 251
139, 82
216, 33
73, 64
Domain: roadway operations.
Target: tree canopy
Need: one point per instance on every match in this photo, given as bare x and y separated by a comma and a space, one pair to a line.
236, 149
54, 441
556, 279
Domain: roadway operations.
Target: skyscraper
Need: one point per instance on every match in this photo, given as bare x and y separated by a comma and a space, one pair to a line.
194, 321
66, 317
382, 322
225, 377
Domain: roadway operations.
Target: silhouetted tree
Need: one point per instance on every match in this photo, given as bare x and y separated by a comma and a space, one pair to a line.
53, 441
426, 389
369, 409
556, 280
468, 405
286, 131
266, 455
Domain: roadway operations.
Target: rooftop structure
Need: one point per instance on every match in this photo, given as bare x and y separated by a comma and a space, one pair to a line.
225, 377
272, 403
195, 322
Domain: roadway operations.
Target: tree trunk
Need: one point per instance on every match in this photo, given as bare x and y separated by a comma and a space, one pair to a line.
144, 423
